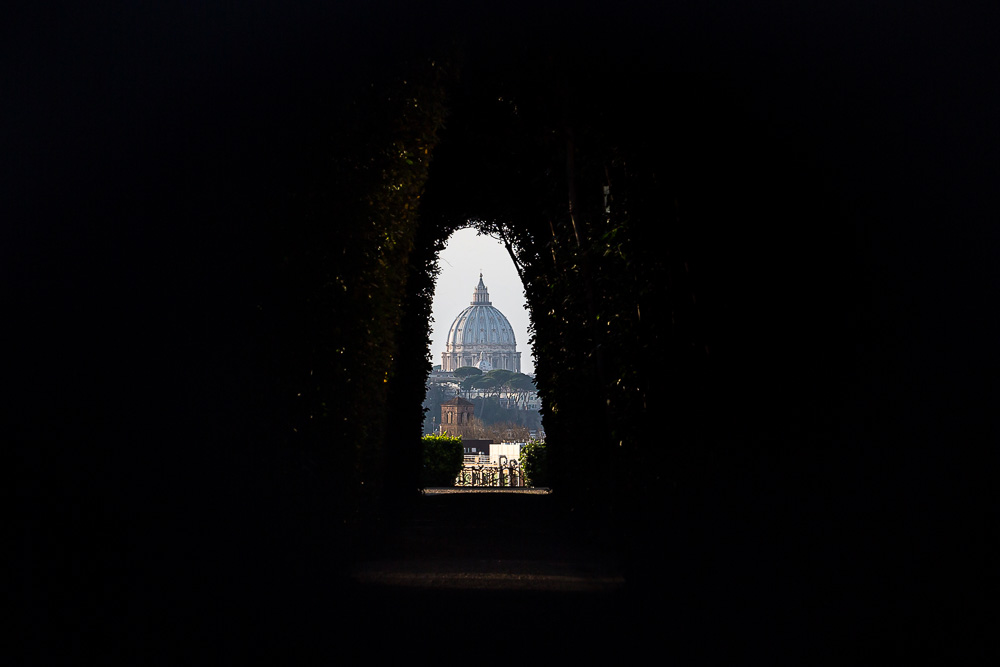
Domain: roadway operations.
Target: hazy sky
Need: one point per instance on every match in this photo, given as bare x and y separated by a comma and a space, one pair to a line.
461, 261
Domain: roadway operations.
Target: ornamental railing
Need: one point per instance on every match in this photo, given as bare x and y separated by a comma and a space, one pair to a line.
505, 473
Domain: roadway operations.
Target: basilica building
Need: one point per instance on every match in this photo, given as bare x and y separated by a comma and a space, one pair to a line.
481, 336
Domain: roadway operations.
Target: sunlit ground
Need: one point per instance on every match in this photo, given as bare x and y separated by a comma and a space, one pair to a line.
502, 575
439, 490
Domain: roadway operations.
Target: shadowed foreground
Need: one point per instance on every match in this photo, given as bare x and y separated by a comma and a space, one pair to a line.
496, 576
519, 574
213, 234
494, 571
490, 542
489, 572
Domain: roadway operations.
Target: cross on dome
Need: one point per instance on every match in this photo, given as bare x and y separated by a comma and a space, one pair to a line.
481, 296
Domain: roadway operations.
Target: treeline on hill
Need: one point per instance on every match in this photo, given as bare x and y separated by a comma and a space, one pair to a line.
499, 397
487, 410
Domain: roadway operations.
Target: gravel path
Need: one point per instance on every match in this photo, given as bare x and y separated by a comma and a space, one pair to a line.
489, 540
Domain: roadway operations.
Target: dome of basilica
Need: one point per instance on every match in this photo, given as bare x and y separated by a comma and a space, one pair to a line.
481, 336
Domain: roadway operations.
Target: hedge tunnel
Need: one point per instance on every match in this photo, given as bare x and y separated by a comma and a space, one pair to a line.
747, 252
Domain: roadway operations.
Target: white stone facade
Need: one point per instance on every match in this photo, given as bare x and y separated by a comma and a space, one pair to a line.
481, 336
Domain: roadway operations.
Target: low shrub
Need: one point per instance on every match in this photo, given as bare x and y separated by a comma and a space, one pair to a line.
442, 460
534, 462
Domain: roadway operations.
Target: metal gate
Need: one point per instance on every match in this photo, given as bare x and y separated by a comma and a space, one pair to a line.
505, 473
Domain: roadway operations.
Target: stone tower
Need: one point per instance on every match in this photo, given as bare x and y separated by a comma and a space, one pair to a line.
455, 415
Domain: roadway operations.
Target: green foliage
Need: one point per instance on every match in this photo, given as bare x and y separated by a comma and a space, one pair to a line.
465, 372
343, 317
470, 383
435, 396
534, 462
521, 383
442, 457
621, 307
501, 376
487, 384
498, 381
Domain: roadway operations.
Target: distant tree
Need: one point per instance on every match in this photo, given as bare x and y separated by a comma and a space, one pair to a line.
522, 382
466, 386
475, 429
501, 376
488, 385
493, 383
519, 386
467, 375
464, 372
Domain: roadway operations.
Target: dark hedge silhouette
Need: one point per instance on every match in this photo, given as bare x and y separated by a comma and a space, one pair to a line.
752, 256
441, 460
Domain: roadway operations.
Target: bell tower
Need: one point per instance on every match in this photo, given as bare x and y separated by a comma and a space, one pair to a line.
455, 415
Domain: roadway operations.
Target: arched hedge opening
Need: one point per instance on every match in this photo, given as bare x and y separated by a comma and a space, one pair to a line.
681, 263
285, 277
684, 269
750, 307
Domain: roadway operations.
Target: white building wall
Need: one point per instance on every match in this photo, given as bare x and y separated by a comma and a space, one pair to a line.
512, 450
